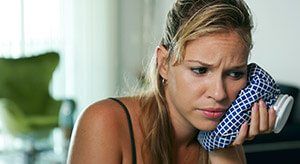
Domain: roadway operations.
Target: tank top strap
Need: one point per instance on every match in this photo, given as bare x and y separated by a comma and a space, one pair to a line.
133, 149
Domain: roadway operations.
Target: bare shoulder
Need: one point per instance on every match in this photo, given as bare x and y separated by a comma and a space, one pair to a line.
99, 116
96, 136
103, 112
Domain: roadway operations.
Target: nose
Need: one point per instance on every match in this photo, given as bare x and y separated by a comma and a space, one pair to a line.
218, 90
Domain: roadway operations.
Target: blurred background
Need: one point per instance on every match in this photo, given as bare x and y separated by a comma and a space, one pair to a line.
103, 46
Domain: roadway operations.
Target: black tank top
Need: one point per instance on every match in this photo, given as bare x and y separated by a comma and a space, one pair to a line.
133, 151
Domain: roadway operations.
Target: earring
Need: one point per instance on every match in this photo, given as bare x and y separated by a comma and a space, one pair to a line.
164, 81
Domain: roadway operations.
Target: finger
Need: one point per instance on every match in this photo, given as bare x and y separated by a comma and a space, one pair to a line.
263, 117
272, 119
239, 140
254, 124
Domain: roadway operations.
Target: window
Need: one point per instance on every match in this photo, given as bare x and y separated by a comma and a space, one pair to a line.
29, 27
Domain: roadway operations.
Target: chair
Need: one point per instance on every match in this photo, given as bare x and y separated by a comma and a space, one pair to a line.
27, 109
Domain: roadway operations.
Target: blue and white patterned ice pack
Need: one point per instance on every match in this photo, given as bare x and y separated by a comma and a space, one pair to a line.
260, 85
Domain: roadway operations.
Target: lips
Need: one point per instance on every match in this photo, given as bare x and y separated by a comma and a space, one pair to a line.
212, 113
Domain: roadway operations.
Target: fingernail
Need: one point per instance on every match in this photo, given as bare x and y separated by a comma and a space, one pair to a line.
262, 103
254, 108
273, 111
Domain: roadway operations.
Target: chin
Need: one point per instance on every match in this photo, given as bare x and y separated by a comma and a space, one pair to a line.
208, 125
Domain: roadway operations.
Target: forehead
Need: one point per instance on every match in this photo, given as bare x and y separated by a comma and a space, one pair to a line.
218, 46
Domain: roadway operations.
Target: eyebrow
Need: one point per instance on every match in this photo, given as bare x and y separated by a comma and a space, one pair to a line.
200, 62
211, 65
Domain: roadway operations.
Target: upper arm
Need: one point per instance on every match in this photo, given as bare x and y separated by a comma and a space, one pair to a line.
95, 136
230, 155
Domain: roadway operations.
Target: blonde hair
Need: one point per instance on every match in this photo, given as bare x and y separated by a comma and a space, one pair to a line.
187, 20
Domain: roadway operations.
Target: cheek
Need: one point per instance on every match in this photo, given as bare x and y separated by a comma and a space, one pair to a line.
188, 83
176, 78
183, 85
235, 87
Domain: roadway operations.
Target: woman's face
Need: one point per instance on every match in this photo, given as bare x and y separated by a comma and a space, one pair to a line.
201, 88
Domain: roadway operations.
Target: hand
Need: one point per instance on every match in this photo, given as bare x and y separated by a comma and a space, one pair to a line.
262, 122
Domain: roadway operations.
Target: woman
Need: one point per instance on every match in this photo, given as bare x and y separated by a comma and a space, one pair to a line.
197, 71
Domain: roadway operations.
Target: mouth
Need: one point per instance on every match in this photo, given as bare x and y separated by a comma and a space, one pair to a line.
212, 113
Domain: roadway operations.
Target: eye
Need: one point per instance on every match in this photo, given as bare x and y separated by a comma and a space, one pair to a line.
236, 74
199, 70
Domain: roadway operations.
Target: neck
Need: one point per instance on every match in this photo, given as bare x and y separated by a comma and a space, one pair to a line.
184, 132
186, 147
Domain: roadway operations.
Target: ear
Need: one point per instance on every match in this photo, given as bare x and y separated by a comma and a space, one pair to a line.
162, 63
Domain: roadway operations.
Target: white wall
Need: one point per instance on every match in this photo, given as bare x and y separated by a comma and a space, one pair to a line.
130, 43
91, 38
276, 38
140, 27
